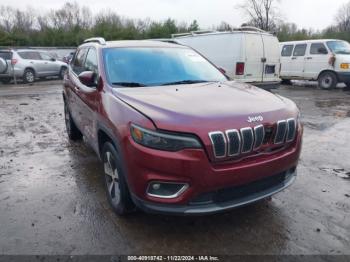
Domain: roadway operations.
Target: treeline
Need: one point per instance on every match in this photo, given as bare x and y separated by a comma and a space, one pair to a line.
71, 24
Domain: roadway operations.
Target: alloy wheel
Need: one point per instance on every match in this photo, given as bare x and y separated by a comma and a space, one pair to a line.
112, 178
29, 76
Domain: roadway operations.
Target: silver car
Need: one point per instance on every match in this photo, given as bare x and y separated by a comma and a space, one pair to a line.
29, 64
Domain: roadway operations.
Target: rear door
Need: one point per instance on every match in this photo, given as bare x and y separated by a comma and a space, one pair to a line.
33, 60
272, 58
254, 53
286, 60
298, 61
316, 60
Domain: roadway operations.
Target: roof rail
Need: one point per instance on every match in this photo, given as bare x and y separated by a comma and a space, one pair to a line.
249, 28
99, 40
199, 32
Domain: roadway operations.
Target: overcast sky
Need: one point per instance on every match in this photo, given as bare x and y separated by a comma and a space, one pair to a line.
316, 14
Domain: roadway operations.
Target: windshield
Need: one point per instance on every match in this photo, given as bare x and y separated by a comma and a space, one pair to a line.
135, 67
339, 47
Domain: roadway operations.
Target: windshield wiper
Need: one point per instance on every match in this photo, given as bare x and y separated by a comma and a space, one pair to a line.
184, 82
129, 84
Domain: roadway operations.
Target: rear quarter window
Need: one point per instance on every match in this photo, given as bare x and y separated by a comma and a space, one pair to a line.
287, 50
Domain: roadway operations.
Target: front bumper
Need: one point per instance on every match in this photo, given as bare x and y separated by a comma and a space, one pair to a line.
241, 196
192, 167
344, 77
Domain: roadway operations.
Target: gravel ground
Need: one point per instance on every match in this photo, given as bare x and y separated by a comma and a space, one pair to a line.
52, 199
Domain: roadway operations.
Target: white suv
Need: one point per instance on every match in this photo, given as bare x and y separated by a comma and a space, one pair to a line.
29, 64
324, 60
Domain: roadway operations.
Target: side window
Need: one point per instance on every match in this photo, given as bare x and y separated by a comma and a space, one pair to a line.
45, 57
318, 49
35, 55
287, 50
30, 55
79, 61
91, 61
300, 50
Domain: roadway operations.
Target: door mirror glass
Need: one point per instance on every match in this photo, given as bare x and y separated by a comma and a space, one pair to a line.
88, 78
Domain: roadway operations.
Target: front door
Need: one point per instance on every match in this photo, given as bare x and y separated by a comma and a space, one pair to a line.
88, 98
316, 60
298, 61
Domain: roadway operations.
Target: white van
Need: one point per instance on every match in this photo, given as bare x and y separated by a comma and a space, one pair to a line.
326, 60
247, 54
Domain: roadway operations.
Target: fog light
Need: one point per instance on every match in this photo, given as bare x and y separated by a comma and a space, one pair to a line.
156, 187
166, 190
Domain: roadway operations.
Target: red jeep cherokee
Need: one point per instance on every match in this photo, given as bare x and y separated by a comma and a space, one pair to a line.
174, 134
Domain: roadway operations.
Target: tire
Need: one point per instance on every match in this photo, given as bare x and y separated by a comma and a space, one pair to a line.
116, 187
73, 132
286, 82
347, 88
29, 76
327, 80
62, 72
5, 80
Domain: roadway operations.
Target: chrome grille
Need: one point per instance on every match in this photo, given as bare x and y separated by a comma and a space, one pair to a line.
247, 140
281, 132
291, 123
219, 144
234, 142
259, 133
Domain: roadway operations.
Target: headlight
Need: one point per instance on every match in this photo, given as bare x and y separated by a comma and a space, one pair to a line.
162, 141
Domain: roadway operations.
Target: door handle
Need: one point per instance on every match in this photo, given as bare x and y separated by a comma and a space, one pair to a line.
294, 58
263, 59
308, 58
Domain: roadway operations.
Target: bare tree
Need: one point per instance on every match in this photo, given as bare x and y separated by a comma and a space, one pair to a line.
261, 13
343, 18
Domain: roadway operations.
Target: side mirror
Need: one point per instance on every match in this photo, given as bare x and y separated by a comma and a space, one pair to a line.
88, 78
53, 59
323, 51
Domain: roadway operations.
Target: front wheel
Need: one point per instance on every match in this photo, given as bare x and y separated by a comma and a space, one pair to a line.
29, 76
347, 87
115, 183
328, 80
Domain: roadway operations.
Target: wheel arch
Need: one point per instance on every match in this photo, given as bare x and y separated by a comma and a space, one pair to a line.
327, 70
30, 68
105, 135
